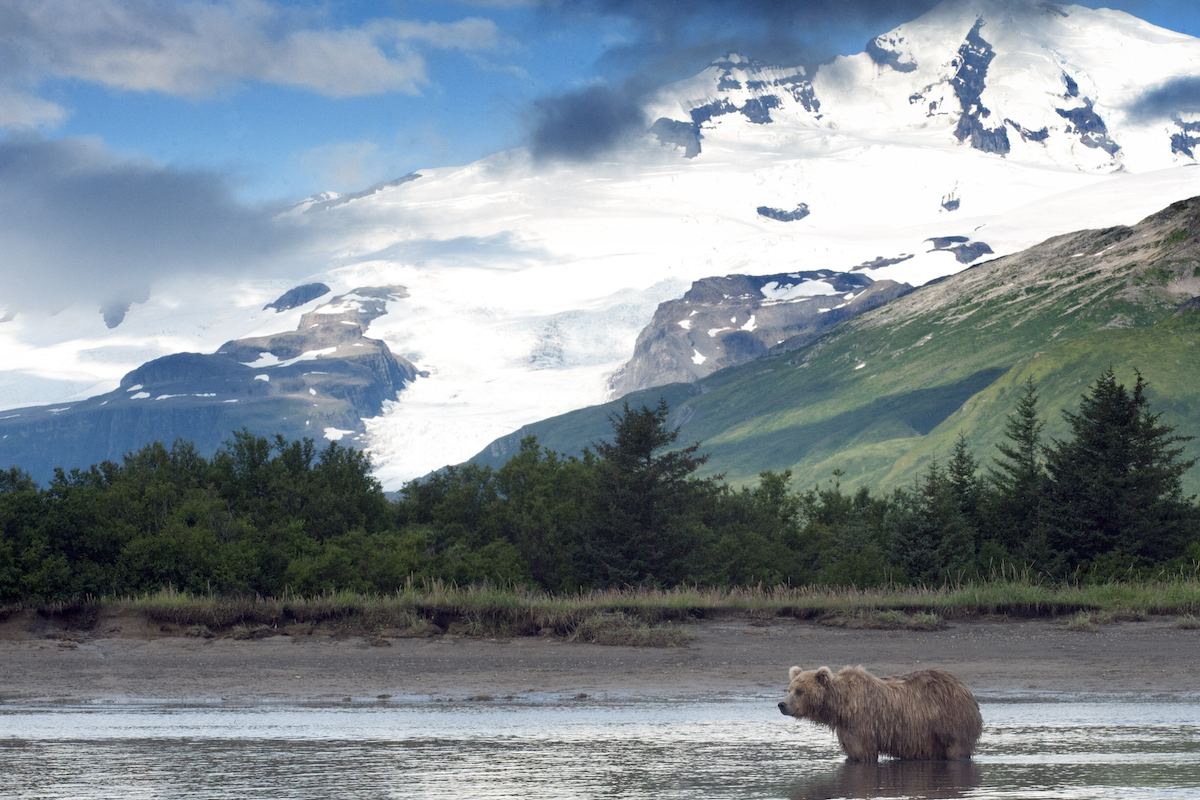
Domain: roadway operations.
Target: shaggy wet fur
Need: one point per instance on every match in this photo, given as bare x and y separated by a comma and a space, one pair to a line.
924, 714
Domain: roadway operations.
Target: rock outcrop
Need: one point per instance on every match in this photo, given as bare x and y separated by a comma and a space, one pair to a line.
723, 321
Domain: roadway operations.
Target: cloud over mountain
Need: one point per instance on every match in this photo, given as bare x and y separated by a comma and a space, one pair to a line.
79, 223
1176, 96
678, 37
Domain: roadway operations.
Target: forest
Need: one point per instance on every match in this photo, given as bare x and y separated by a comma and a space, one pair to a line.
268, 518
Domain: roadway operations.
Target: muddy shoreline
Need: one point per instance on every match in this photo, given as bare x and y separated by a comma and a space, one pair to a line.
130, 659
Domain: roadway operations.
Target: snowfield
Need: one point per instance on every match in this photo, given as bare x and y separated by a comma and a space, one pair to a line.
529, 283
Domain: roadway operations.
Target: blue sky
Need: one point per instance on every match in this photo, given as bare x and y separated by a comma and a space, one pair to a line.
283, 99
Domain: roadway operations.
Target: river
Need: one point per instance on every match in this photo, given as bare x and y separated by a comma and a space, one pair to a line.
741, 748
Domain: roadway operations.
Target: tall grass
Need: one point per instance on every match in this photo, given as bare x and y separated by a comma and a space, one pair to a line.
430, 607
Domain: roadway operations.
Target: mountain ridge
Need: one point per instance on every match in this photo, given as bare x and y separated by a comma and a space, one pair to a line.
326, 372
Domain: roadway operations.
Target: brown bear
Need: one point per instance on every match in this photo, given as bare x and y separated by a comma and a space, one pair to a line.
924, 714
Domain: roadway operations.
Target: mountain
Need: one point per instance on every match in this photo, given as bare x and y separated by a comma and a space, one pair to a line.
978, 130
1033, 82
321, 379
882, 394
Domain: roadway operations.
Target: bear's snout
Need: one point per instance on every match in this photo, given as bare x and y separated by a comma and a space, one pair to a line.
783, 708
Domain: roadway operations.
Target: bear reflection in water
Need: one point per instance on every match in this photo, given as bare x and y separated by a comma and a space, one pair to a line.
927, 714
899, 778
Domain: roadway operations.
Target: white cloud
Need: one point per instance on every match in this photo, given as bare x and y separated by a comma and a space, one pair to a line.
467, 34
343, 165
199, 47
22, 110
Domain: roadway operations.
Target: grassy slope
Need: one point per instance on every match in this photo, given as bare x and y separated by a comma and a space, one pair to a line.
949, 358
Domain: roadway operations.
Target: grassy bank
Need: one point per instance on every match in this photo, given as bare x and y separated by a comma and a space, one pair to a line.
641, 617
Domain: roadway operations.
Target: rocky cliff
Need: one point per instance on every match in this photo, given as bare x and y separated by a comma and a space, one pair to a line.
728, 320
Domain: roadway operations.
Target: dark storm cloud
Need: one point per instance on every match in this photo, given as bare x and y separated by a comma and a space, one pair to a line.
582, 125
1175, 97
676, 38
78, 223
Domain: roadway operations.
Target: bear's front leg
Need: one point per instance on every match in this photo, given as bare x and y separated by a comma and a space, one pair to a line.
858, 747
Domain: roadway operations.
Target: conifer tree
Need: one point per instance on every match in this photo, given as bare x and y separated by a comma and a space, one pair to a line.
646, 502
931, 540
1019, 480
1115, 484
962, 475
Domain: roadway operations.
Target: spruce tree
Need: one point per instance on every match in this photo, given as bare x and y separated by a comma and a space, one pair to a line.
931, 541
1018, 479
646, 502
962, 475
1114, 486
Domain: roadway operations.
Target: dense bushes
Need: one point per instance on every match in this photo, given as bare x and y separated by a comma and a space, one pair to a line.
266, 517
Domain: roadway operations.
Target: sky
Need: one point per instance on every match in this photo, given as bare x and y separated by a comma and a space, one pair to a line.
130, 126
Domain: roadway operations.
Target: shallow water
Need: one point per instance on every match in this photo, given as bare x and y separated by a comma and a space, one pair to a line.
735, 749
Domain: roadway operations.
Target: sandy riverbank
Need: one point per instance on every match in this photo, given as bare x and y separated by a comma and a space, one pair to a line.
129, 658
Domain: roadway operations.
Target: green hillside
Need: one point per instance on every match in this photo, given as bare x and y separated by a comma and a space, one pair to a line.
885, 392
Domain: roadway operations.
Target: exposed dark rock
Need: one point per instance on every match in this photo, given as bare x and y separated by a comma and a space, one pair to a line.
680, 134
704, 113
758, 109
800, 212
887, 57
951, 202
945, 242
181, 368
989, 140
728, 82
1028, 135
802, 91
974, 58
741, 346
965, 251
728, 65
298, 296
1072, 86
1089, 126
1184, 142
880, 261
729, 320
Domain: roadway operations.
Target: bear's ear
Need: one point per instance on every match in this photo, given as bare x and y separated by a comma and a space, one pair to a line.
824, 676
793, 672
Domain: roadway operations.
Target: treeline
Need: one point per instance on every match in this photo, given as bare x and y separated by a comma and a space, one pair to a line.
269, 517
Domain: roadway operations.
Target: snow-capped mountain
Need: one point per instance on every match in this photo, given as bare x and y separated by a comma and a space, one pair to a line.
1037, 83
981, 127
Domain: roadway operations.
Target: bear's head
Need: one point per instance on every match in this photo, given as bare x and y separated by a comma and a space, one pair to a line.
805, 697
